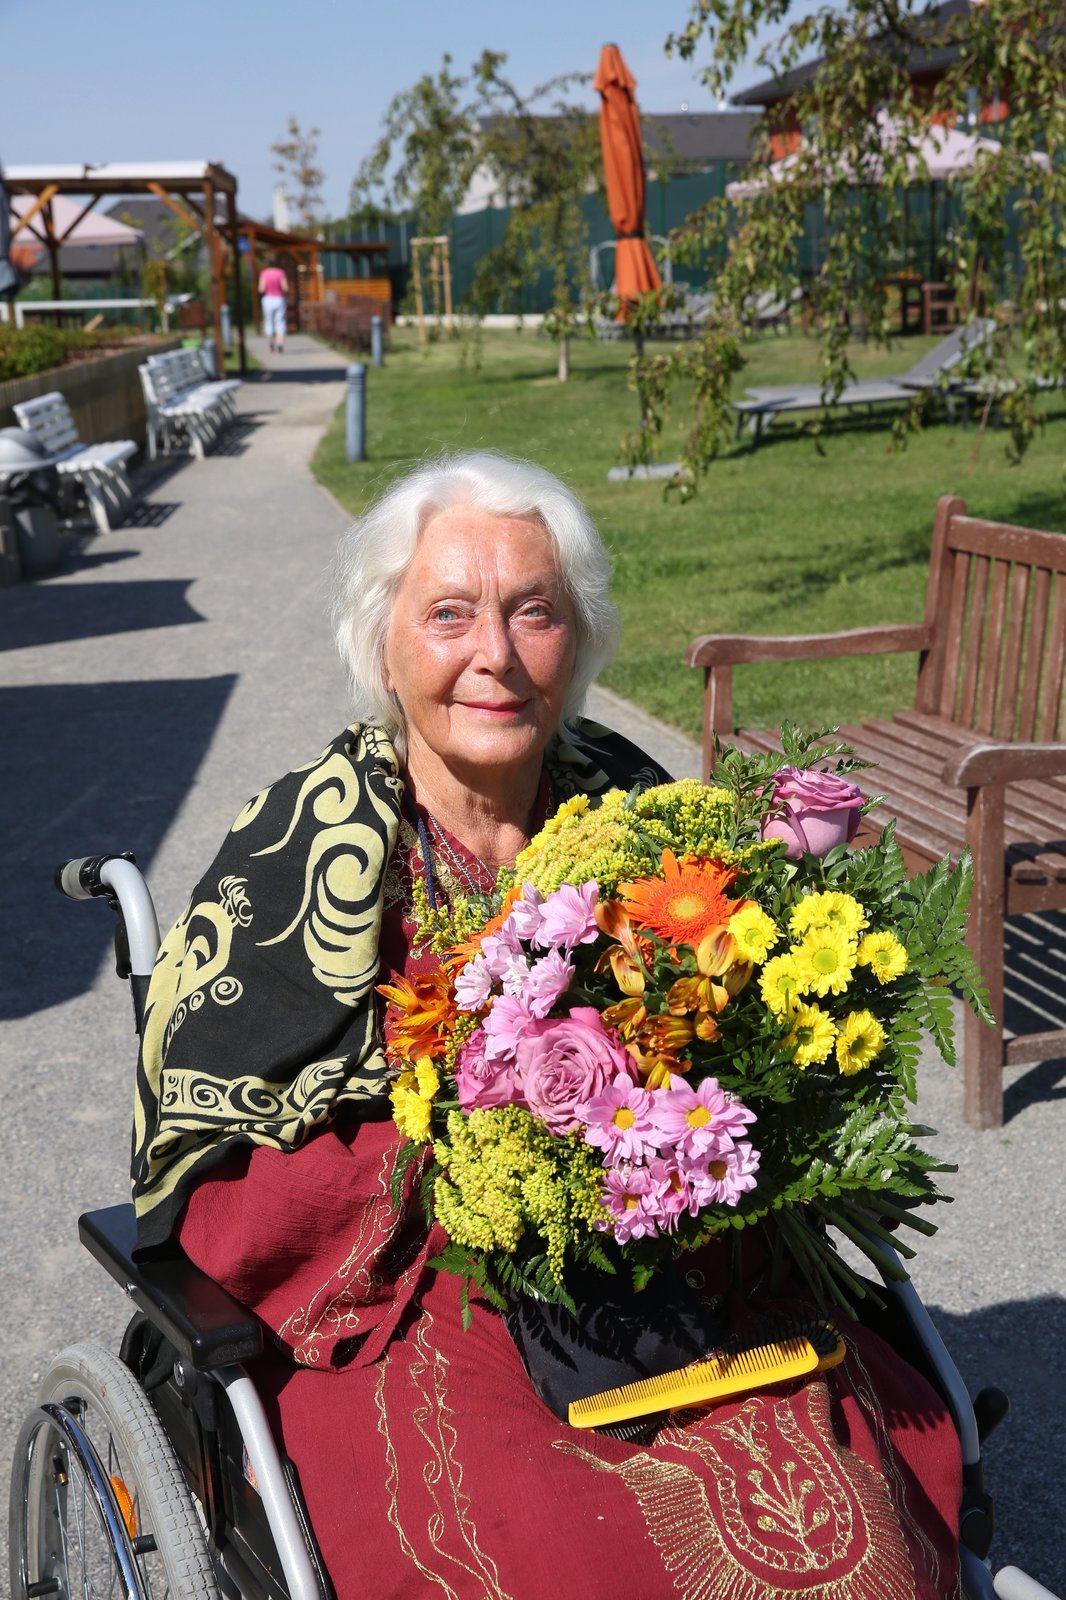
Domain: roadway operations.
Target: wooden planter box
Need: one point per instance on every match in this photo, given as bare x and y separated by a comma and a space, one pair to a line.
103, 392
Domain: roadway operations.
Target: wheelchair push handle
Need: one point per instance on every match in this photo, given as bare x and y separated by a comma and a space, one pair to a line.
117, 879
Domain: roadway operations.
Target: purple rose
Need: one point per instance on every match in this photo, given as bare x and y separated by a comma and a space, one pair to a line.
562, 1062
481, 1081
814, 811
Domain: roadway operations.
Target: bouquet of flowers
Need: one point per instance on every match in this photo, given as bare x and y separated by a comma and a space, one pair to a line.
688, 1012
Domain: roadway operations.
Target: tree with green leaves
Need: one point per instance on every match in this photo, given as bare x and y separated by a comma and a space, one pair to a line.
297, 162
428, 150
866, 113
544, 151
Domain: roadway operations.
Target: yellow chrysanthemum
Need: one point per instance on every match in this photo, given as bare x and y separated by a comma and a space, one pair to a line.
410, 1113
427, 1078
756, 933
828, 909
779, 985
825, 961
860, 1039
812, 1033
884, 955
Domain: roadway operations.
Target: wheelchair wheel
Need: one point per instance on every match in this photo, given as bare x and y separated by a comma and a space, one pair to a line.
99, 1504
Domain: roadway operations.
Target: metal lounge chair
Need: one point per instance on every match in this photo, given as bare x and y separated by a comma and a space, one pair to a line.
760, 406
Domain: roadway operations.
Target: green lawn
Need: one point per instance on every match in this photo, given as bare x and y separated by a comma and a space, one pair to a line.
779, 540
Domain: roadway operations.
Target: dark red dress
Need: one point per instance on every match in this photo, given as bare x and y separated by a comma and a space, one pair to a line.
430, 1467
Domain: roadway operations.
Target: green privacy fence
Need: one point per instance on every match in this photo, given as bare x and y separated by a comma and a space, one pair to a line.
931, 216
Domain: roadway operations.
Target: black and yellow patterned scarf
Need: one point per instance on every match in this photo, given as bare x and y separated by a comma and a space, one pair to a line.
261, 1021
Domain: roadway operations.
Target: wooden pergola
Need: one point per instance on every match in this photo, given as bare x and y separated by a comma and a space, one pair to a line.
304, 255
192, 190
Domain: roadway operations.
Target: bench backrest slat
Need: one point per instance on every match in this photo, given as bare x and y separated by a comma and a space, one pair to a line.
1053, 702
997, 604
991, 646
48, 418
1031, 687
1015, 641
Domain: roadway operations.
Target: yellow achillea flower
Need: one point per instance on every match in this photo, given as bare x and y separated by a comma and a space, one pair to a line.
884, 955
812, 1033
828, 909
756, 933
825, 961
779, 985
860, 1039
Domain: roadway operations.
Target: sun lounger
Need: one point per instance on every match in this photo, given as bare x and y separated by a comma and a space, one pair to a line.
760, 406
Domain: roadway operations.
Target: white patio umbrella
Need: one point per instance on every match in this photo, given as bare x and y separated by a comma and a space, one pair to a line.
941, 154
69, 225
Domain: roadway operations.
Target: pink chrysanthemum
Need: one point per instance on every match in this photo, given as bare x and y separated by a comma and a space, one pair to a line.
524, 917
673, 1190
506, 1022
473, 985
545, 981
629, 1195
567, 917
721, 1177
695, 1120
618, 1121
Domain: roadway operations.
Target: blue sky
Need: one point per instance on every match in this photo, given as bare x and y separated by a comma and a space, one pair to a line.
209, 80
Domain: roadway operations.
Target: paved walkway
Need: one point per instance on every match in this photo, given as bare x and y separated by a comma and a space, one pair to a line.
151, 686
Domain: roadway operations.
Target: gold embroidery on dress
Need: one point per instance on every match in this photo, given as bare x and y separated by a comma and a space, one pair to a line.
333, 1309
816, 1506
866, 1396
449, 1526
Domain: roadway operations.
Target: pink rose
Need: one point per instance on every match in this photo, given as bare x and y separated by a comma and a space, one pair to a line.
814, 811
481, 1081
562, 1062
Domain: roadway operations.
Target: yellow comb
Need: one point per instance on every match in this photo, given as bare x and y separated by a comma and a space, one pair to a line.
719, 1377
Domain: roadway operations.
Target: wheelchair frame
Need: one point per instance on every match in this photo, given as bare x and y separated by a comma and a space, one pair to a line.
186, 1350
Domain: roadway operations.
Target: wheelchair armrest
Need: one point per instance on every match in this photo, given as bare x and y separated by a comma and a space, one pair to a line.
206, 1326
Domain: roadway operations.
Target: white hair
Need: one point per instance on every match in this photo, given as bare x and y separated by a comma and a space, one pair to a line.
375, 553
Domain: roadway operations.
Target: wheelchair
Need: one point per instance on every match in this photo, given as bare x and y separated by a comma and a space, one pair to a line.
155, 1473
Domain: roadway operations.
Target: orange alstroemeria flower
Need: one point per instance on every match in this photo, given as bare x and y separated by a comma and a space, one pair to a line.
685, 904
467, 949
420, 1016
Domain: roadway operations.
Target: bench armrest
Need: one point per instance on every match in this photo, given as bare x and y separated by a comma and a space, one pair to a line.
1002, 762
721, 649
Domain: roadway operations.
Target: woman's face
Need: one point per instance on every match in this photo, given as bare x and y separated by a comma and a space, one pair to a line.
481, 646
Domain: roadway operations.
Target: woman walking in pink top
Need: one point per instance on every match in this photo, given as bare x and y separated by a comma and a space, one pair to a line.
273, 288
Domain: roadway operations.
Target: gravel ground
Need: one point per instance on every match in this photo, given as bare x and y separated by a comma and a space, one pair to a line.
154, 683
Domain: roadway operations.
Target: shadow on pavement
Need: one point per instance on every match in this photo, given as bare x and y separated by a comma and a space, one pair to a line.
1020, 1345
92, 767
285, 374
1035, 974
42, 614
151, 513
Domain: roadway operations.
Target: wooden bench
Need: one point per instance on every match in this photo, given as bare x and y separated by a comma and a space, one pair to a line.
181, 400
98, 470
978, 760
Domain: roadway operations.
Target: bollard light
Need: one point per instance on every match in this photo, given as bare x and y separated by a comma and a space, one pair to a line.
377, 341
356, 412
225, 317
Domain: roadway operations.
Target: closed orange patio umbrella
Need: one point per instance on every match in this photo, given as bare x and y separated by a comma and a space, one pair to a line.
623, 165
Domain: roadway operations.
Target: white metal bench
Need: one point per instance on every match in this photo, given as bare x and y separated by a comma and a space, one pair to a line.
99, 470
181, 400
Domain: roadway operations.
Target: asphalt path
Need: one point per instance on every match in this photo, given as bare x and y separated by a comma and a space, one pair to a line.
154, 683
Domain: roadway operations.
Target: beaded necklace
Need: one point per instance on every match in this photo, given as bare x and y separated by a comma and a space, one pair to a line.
450, 859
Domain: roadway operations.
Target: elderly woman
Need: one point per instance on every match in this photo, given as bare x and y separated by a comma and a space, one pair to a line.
473, 613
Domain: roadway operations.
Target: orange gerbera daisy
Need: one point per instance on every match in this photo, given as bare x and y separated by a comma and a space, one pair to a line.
685, 904
420, 1016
